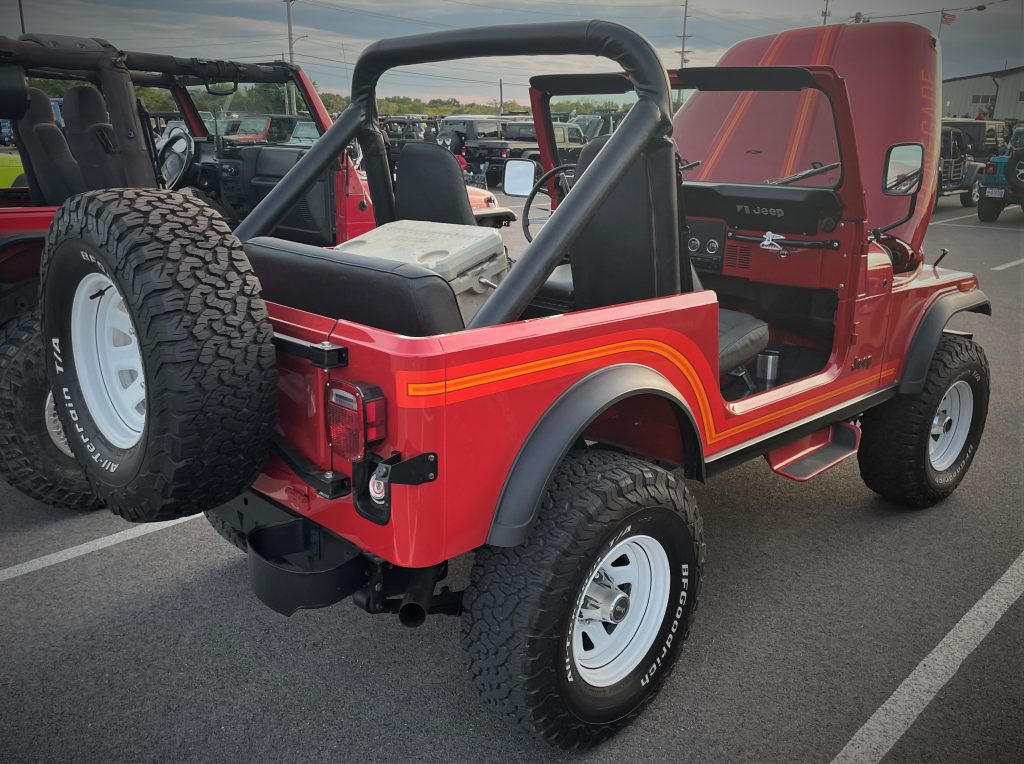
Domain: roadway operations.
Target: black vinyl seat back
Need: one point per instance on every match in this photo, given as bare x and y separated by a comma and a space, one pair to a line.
630, 248
91, 138
398, 297
430, 186
53, 168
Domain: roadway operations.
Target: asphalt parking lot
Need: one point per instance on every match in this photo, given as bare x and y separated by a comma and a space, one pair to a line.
819, 600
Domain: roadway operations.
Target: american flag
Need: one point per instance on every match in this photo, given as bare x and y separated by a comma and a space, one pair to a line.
947, 19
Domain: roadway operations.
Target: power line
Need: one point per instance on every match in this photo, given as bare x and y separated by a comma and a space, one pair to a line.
346, 9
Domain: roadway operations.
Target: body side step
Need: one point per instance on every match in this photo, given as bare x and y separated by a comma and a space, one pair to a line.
812, 454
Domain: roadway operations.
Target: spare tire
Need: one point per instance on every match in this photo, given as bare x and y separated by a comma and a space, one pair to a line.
1014, 171
158, 351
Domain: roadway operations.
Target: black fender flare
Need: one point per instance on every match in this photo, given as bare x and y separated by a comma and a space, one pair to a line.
971, 173
929, 332
561, 427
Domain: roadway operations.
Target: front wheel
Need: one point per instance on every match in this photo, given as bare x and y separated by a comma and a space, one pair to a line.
970, 197
916, 449
989, 209
574, 632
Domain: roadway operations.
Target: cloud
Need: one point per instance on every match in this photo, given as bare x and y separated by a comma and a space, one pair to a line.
330, 34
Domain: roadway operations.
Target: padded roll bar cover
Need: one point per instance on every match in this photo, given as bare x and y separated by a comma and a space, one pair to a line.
561, 427
66, 43
929, 332
398, 297
598, 38
14, 100
129, 133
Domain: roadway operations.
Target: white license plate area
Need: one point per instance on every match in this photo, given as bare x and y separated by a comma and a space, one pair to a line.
997, 193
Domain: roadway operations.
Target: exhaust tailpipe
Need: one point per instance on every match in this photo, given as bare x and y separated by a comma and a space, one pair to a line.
418, 595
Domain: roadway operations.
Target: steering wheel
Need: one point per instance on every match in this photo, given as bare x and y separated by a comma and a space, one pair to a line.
538, 187
174, 165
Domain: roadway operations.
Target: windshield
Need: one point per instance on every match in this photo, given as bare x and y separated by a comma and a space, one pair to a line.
758, 137
272, 113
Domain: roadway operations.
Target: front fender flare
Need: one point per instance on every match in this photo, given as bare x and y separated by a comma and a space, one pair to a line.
560, 428
929, 332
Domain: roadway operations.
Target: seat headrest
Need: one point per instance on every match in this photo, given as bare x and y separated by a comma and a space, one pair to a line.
40, 110
430, 186
14, 100
84, 106
589, 152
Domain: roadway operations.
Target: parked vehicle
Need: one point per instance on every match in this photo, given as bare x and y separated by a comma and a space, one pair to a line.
487, 145
958, 172
1003, 180
985, 138
371, 412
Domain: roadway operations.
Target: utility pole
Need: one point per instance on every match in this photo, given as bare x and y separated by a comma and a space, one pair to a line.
501, 98
291, 55
682, 44
21, 12
825, 13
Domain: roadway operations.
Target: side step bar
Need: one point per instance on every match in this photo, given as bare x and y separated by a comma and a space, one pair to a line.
813, 454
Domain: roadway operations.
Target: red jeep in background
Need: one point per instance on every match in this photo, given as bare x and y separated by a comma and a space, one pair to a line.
745, 279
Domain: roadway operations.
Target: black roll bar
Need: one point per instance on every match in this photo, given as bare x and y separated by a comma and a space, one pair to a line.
647, 120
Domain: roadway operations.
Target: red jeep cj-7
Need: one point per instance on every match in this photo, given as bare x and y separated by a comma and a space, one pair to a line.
744, 280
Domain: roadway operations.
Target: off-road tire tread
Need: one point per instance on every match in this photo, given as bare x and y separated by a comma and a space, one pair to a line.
21, 363
989, 210
592, 490
892, 462
206, 341
227, 531
967, 198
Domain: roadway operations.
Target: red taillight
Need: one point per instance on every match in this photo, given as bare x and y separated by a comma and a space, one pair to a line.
504, 152
990, 169
463, 151
356, 418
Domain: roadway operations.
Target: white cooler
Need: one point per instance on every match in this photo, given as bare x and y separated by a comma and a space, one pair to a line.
467, 257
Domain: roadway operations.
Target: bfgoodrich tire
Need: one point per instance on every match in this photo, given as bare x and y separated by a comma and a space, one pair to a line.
34, 455
970, 197
916, 449
572, 633
158, 351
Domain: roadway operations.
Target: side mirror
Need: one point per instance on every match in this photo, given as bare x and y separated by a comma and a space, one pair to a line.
221, 88
518, 177
904, 164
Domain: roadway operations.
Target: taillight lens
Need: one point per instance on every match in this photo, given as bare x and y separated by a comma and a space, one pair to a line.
990, 169
356, 418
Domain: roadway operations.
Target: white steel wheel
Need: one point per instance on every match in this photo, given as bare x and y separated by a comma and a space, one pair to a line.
54, 428
622, 609
108, 361
951, 425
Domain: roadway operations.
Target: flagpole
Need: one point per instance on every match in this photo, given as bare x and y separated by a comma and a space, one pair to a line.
942, 16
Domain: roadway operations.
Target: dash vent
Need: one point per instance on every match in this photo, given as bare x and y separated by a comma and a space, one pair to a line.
737, 255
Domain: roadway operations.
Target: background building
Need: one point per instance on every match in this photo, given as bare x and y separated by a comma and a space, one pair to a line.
999, 94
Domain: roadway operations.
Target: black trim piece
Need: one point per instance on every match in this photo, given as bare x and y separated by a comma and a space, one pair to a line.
929, 332
330, 485
761, 447
791, 243
721, 78
323, 355
415, 470
561, 427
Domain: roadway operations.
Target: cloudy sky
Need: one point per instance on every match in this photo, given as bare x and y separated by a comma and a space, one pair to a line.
330, 33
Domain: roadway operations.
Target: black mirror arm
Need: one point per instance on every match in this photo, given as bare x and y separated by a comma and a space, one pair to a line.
901, 221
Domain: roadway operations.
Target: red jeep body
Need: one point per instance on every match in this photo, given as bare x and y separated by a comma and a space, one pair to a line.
512, 381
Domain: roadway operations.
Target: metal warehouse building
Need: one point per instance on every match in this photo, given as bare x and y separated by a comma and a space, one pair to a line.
999, 95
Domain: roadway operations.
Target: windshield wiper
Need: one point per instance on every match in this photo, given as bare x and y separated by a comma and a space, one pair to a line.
808, 173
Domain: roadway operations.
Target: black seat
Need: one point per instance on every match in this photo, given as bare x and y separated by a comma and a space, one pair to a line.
429, 186
91, 138
50, 162
613, 262
398, 297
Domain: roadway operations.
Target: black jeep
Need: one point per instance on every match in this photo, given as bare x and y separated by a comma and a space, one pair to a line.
958, 172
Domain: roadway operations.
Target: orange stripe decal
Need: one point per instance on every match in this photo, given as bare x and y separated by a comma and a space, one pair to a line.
661, 349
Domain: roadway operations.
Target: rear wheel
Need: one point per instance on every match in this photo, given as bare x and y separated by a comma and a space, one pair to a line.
916, 449
989, 209
159, 347
970, 197
573, 633
34, 453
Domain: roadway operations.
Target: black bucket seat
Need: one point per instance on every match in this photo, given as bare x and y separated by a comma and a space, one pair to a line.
53, 167
91, 138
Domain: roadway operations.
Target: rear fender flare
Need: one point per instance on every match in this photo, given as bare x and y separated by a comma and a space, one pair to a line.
929, 332
971, 173
561, 427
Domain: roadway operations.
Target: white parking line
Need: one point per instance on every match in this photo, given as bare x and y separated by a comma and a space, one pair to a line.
948, 220
1004, 266
90, 546
894, 717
